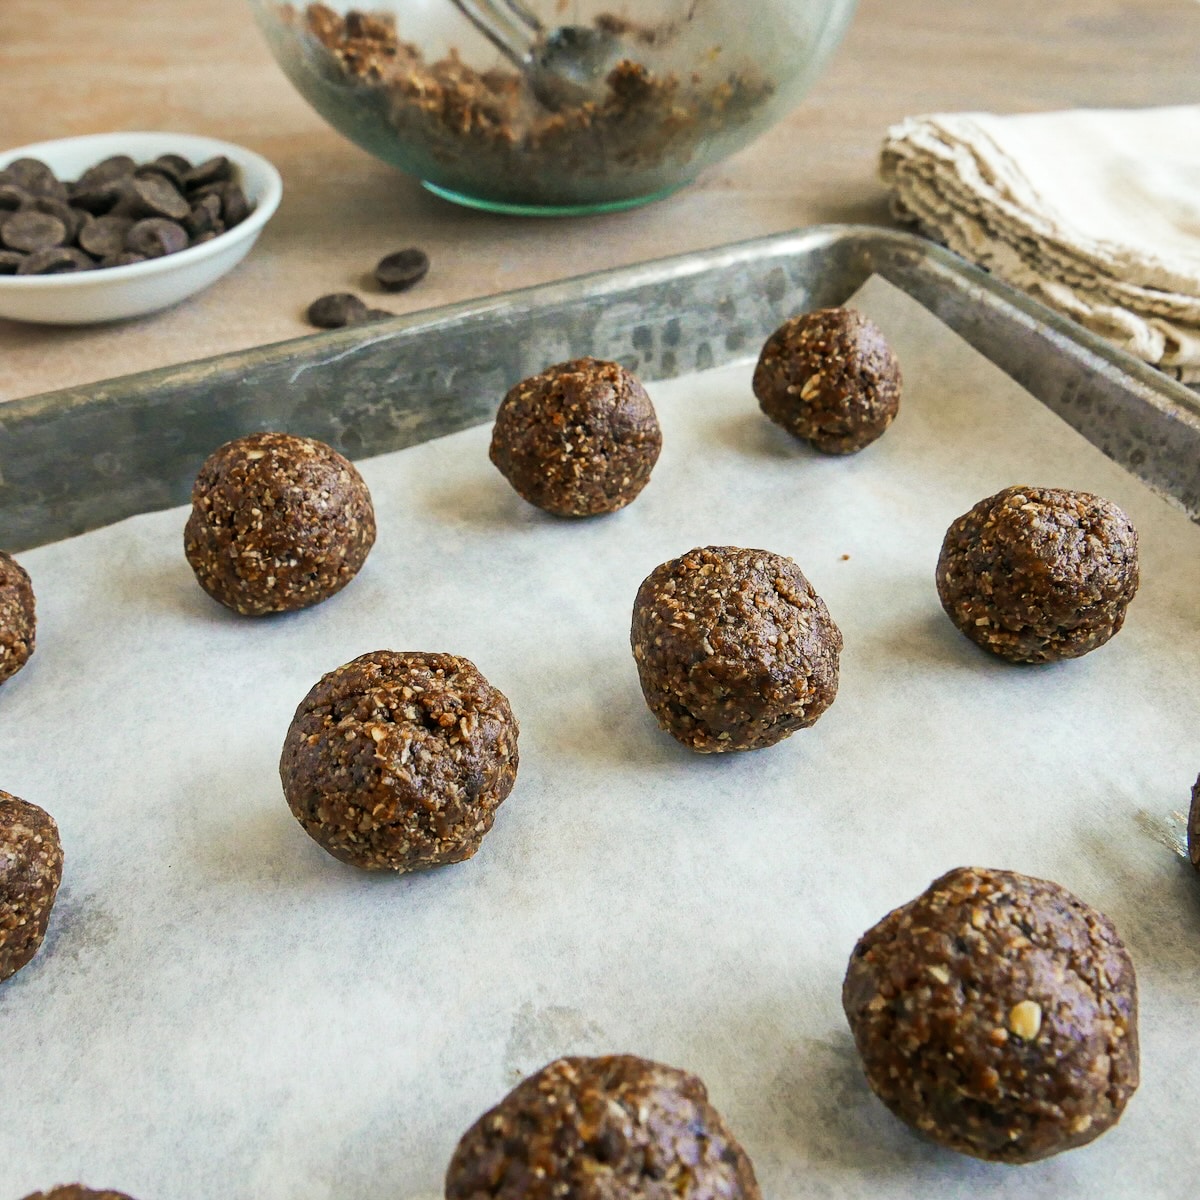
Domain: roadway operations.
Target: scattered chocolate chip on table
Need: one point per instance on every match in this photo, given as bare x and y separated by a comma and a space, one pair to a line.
339, 309
404, 269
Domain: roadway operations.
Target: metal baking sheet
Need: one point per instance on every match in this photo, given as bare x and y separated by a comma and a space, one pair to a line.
222, 1010
78, 459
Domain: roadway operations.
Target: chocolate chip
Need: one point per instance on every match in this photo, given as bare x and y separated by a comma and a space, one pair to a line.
215, 170
336, 310
13, 197
116, 213
58, 260
30, 230
205, 216
235, 208
109, 170
155, 237
125, 259
400, 271
99, 198
35, 177
174, 162
72, 218
157, 196
105, 236
162, 171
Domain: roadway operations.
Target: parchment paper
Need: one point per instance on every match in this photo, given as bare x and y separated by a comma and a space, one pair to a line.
222, 1011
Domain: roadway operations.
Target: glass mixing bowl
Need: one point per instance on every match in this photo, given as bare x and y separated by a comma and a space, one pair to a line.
552, 106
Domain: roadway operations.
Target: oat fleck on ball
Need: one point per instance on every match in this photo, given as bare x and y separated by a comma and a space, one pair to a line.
997, 1015
734, 649
831, 378
76, 1191
612, 1128
18, 619
278, 523
31, 861
578, 439
1039, 574
399, 760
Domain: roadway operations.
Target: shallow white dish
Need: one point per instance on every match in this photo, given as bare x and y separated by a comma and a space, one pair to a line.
113, 293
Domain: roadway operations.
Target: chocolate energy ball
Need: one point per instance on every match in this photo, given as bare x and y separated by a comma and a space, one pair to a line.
278, 523
1039, 574
831, 378
399, 760
76, 1191
613, 1128
18, 620
579, 439
996, 1014
31, 861
734, 649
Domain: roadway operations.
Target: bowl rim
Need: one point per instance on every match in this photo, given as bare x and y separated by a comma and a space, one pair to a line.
264, 206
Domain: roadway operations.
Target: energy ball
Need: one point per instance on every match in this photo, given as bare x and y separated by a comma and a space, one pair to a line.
613, 1128
1039, 574
18, 620
31, 861
734, 649
398, 761
580, 438
278, 523
997, 1015
831, 378
76, 1191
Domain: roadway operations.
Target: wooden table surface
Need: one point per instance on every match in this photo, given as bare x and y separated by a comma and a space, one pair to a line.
201, 66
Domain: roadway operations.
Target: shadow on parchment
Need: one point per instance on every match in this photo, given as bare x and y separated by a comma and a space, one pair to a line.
749, 432
486, 502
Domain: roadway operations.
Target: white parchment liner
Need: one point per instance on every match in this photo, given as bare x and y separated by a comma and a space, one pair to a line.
222, 1011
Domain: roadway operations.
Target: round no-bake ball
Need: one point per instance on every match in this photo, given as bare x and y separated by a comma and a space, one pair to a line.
612, 1128
278, 523
578, 439
734, 649
18, 620
31, 861
399, 760
76, 1191
1039, 574
831, 378
997, 1014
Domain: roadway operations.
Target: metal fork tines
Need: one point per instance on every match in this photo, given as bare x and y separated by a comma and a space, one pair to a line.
515, 39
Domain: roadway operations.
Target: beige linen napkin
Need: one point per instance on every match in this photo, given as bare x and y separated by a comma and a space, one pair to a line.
1095, 212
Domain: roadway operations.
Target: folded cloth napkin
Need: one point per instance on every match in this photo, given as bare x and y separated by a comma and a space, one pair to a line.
1095, 212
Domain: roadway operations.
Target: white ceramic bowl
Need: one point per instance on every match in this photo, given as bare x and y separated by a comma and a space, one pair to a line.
113, 293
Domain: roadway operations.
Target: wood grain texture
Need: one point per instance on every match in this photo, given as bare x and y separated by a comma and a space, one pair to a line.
71, 68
